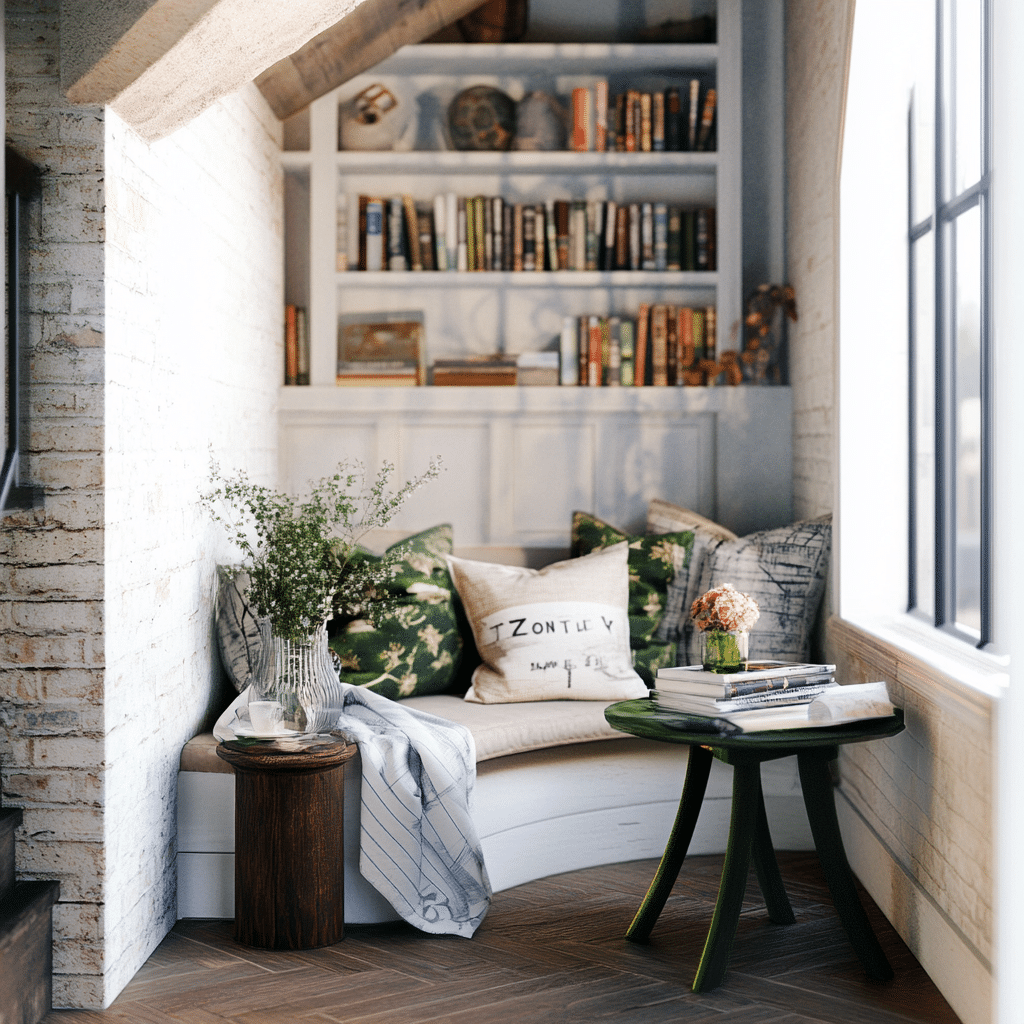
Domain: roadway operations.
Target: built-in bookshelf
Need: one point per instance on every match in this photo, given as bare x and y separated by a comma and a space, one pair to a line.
522, 458
479, 312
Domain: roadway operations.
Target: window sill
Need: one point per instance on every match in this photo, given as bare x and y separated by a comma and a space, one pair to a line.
922, 656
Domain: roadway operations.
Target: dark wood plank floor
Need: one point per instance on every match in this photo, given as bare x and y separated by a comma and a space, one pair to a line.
549, 951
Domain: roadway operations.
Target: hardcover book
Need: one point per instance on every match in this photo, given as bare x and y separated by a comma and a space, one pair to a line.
380, 348
835, 706
374, 234
708, 705
758, 671
475, 371
707, 119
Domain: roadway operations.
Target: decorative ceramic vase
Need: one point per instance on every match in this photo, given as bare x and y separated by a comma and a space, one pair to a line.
496, 21
482, 118
541, 123
375, 119
724, 650
301, 677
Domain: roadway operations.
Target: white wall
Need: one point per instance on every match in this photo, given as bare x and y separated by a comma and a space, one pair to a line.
817, 36
194, 286
917, 810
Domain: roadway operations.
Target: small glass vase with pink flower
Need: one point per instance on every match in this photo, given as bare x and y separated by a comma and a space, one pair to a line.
723, 617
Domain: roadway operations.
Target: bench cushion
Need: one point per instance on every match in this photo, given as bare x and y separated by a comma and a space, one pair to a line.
497, 729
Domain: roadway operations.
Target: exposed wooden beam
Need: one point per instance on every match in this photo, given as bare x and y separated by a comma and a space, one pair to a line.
372, 32
159, 63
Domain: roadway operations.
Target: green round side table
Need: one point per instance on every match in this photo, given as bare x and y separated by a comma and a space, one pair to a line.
749, 837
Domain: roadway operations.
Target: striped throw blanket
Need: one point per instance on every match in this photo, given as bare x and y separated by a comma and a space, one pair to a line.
418, 844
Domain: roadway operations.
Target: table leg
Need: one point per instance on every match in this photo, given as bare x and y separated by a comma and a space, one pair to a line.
697, 770
746, 802
819, 800
767, 867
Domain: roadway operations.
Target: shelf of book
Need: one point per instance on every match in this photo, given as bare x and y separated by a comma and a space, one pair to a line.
555, 162
691, 280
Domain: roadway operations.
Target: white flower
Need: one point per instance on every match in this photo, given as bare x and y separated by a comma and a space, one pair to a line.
725, 608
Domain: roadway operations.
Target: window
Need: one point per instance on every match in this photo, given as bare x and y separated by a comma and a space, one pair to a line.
21, 184
950, 480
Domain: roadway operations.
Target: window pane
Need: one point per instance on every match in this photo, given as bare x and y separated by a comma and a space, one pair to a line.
922, 255
921, 53
967, 435
967, 82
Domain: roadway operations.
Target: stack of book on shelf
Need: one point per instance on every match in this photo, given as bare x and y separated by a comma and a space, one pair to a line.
537, 368
663, 345
380, 349
475, 371
768, 695
476, 233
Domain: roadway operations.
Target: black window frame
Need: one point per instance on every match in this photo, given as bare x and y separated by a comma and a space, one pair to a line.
22, 185
946, 209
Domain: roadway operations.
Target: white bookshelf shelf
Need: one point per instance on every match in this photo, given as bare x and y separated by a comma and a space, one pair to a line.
689, 280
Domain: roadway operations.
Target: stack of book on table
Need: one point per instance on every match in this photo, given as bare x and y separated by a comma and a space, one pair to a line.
768, 695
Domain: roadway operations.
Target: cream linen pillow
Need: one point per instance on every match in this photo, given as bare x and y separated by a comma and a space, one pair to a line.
557, 633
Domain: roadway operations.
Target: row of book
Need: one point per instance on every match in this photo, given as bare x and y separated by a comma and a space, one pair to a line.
635, 121
296, 344
767, 695
664, 345
477, 233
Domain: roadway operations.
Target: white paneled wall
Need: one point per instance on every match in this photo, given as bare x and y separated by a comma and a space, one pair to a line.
520, 461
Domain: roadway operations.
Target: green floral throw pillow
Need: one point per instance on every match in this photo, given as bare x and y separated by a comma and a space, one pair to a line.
654, 561
416, 647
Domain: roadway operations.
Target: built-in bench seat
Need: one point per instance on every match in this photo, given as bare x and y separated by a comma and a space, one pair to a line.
557, 789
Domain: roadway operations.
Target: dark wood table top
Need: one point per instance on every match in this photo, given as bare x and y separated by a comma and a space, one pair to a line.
287, 753
645, 717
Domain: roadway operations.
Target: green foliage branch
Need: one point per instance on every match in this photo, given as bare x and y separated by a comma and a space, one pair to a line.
303, 555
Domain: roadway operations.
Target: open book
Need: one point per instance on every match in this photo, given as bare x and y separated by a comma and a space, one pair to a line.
838, 705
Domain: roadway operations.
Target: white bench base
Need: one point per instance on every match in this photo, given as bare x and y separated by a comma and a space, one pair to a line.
538, 813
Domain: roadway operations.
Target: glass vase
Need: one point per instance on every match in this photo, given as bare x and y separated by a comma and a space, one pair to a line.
724, 650
300, 676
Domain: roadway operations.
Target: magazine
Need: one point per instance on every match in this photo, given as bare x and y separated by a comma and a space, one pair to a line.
838, 705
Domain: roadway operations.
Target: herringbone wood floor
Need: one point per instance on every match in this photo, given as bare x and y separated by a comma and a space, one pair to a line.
549, 951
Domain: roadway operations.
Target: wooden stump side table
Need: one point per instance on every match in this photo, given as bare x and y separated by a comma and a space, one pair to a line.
749, 837
289, 840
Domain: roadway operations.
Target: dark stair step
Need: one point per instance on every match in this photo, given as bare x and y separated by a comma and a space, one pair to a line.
26, 951
10, 819
26, 935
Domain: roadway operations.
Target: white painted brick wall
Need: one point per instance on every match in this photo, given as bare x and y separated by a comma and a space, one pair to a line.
194, 294
155, 329
815, 56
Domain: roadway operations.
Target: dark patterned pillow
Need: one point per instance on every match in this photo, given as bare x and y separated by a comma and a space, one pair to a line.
784, 570
664, 517
415, 647
654, 562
